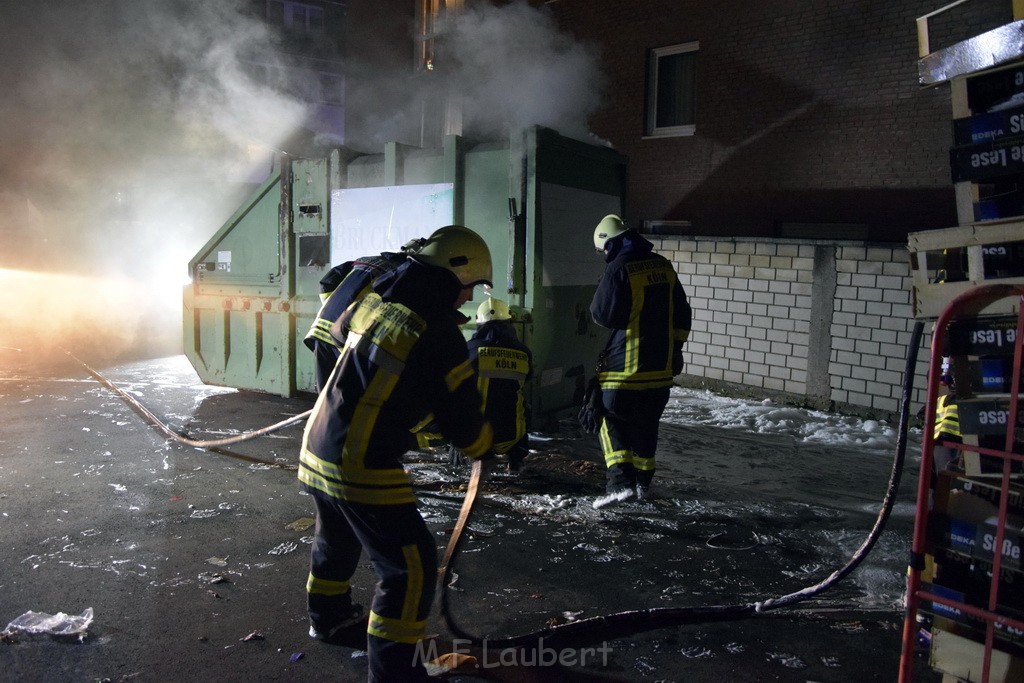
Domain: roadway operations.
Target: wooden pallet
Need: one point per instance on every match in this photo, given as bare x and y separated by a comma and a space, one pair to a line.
928, 250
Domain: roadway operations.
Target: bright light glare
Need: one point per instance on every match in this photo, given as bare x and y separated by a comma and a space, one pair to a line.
93, 317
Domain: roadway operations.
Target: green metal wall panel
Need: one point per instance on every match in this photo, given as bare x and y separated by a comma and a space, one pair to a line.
310, 196
211, 345
486, 210
570, 186
422, 166
247, 250
305, 378
366, 171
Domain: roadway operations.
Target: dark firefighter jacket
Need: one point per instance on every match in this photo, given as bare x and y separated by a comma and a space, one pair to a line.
344, 284
503, 364
404, 363
642, 302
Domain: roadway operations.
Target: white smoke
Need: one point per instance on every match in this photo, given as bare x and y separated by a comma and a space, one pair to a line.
514, 68
503, 67
132, 129
128, 137
116, 112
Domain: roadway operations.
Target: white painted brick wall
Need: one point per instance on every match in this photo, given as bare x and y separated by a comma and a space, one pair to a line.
752, 314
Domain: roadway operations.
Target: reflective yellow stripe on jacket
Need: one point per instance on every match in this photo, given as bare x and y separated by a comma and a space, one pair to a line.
384, 334
658, 275
947, 418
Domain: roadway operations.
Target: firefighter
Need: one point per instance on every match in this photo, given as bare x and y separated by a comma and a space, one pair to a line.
342, 285
503, 364
403, 363
947, 420
642, 302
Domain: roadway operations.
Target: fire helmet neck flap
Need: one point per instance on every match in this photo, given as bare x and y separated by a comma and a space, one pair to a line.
459, 250
610, 227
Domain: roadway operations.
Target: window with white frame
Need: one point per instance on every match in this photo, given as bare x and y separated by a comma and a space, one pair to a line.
671, 90
296, 16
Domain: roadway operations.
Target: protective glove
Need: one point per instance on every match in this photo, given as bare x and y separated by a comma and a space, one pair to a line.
592, 412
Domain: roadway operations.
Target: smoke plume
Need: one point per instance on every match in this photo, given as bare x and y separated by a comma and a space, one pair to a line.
502, 67
513, 68
128, 137
132, 129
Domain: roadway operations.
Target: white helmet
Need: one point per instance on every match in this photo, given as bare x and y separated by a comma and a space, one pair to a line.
492, 309
611, 226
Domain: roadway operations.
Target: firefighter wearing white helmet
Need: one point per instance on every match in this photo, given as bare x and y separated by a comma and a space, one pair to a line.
503, 364
641, 301
492, 309
610, 227
404, 363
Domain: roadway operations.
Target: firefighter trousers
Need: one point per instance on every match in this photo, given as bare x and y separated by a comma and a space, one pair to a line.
404, 556
629, 435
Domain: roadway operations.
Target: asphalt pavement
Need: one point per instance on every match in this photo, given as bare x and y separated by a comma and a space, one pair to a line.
193, 560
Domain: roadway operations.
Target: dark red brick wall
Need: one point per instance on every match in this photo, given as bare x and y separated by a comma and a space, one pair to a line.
808, 111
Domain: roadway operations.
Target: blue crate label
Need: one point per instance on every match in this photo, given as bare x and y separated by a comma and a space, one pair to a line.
982, 337
988, 126
961, 535
950, 594
991, 375
988, 417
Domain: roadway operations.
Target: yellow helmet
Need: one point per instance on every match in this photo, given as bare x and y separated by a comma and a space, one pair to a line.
610, 226
492, 309
460, 250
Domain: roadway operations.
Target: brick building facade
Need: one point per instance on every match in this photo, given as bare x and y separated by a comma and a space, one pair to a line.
808, 123
808, 120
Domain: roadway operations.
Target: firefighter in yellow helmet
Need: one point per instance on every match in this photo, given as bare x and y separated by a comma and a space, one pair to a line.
503, 364
404, 363
641, 301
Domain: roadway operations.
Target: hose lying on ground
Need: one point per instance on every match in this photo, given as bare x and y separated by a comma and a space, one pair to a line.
621, 624
162, 427
625, 624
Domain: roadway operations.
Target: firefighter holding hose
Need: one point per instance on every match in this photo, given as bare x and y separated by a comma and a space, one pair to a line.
503, 364
404, 363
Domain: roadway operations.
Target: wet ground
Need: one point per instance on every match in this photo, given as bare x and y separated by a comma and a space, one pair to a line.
194, 562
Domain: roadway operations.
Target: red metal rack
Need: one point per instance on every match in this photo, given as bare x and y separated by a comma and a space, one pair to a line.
966, 304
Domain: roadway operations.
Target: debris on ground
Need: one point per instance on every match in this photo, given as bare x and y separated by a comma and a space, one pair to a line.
59, 624
451, 663
301, 524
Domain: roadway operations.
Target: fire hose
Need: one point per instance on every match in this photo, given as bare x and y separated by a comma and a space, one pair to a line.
619, 624
632, 622
207, 443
